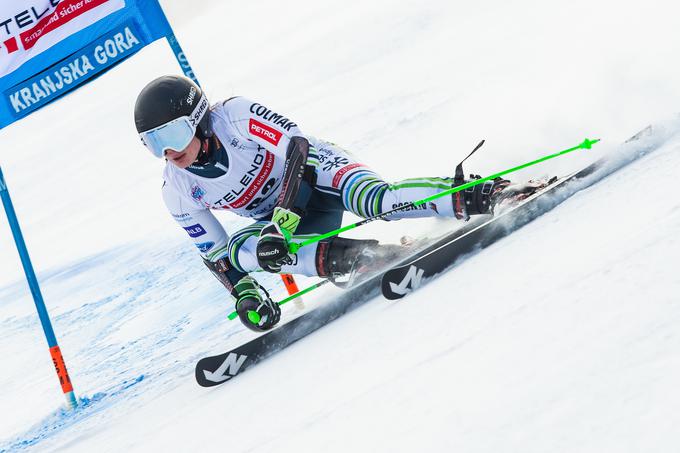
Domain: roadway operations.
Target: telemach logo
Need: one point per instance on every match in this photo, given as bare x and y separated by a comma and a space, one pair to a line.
262, 162
29, 16
25, 28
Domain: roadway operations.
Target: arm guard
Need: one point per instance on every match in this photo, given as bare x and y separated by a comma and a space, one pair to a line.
225, 273
294, 176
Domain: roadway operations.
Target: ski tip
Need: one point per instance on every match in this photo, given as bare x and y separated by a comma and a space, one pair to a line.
232, 315
587, 143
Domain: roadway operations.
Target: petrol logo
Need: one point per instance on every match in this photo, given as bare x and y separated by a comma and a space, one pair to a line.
265, 132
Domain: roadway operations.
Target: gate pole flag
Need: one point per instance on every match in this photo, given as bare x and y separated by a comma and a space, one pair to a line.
49, 48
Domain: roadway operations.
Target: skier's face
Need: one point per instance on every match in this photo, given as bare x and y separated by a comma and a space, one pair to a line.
185, 157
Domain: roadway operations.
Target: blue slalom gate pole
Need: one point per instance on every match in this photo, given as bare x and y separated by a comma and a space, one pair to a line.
181, 58
55, 352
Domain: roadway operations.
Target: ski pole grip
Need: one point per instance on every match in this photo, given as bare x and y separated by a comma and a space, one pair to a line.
233, 315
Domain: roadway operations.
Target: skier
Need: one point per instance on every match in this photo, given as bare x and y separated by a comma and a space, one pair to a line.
241, 156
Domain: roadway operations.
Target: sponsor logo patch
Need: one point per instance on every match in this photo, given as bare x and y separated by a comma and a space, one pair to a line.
257, 183
409, 207
236, 144
182, 217
195, 230
273, 117
197, 114
342, 172
413, 278
197, 192
192, 95
264, 132
203, 247
229, 368
336, 162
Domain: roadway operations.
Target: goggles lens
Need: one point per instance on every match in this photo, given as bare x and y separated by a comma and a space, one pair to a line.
175, 135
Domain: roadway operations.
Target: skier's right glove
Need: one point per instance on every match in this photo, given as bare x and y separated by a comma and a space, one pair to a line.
272, 245
256, 310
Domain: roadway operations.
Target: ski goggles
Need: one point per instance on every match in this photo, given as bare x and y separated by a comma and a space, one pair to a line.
176, 134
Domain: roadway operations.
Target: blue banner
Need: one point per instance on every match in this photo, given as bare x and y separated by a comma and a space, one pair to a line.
51, 47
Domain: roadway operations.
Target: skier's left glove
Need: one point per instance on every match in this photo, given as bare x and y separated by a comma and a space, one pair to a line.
272, 246
256, 310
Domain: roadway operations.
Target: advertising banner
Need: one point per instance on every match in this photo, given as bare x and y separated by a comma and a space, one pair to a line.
50, 47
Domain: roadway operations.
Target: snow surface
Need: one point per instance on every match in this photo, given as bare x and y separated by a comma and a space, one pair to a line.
562, 337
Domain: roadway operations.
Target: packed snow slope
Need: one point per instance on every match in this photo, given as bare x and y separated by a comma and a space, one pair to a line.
561, 337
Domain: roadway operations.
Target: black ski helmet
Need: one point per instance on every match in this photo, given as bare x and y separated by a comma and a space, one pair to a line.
167, 98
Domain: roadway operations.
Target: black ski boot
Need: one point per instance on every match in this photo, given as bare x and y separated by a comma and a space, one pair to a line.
341, 257
487, 197
476, 199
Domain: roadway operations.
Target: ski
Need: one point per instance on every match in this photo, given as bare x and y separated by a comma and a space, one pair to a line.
400, 280
218, 369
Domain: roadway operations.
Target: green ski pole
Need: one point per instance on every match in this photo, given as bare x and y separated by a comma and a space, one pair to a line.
295, 246
233, 314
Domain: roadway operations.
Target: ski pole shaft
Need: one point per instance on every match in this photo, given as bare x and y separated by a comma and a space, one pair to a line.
295, 246
587, 144
234, 315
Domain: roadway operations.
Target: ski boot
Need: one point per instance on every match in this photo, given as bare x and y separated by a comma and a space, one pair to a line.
490, 196
485, 198
353, 259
